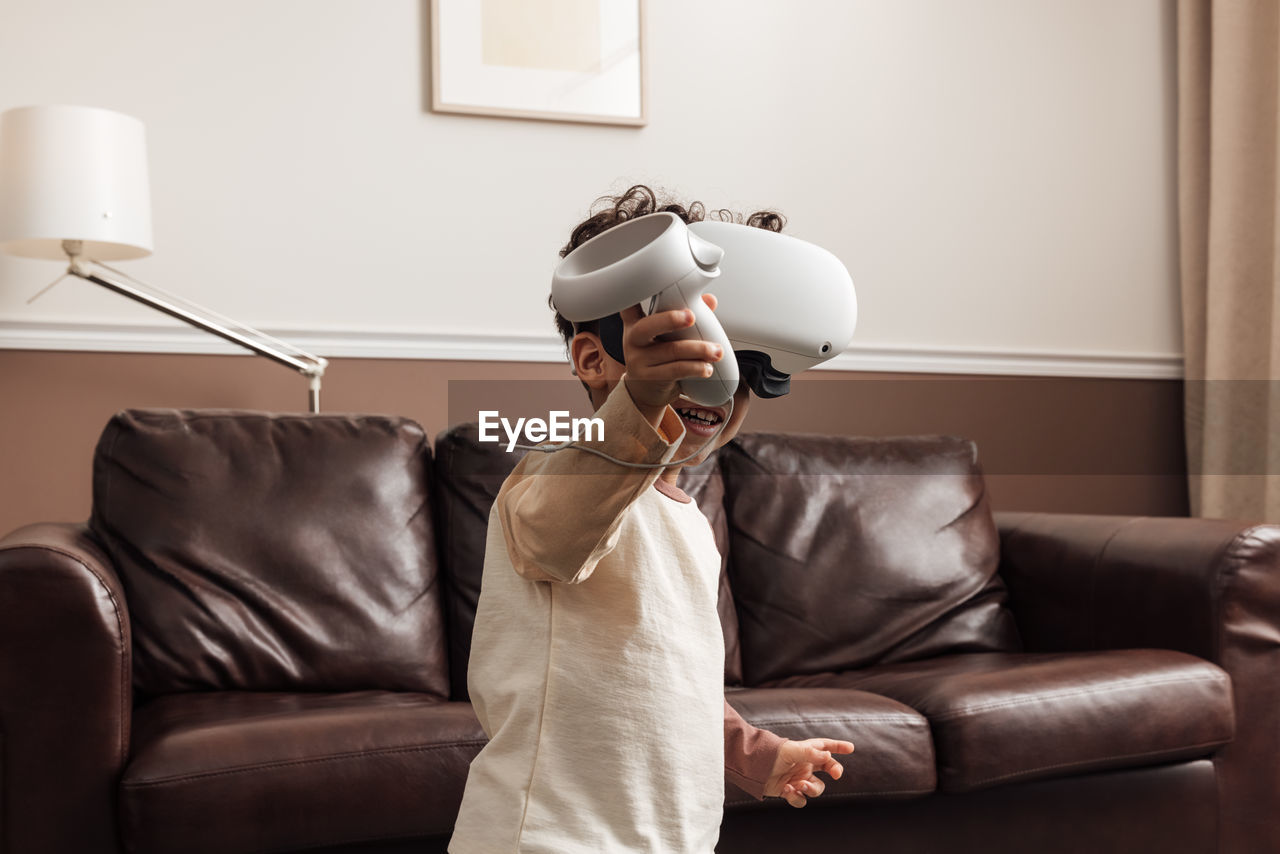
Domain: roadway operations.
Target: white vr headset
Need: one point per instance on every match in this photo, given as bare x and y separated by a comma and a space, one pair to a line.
784, 305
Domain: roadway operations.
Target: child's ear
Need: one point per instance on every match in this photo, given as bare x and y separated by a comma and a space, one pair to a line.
588, 355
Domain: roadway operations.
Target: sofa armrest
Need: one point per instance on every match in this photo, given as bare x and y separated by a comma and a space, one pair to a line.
65, 690
1081, 582
1209, 587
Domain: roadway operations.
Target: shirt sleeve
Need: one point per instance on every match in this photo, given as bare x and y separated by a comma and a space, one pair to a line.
561, 512
749, 753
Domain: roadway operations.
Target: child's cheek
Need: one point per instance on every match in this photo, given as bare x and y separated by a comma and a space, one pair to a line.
741, 404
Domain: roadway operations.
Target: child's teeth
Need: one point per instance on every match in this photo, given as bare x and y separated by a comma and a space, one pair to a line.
704, 417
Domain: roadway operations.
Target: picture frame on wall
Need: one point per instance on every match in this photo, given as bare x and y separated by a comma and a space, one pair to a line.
556, 60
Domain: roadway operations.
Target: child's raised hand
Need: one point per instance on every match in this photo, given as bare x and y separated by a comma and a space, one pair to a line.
655, 365
793, 770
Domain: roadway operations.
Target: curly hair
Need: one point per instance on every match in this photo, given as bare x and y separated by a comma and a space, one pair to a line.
638, 201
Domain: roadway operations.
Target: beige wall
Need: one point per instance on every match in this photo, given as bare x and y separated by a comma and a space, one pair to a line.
995, 173
1056, 444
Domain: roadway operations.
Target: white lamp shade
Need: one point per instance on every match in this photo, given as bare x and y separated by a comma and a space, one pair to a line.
73, 173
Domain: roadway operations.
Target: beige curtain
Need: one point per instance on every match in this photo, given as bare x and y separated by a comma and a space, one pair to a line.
1229, 224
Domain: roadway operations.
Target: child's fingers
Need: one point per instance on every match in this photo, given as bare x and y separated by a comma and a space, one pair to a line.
630, 315
833, 745
813, 787
793, 797
818, 757
673, 371
823, 760
683, 349
642, 330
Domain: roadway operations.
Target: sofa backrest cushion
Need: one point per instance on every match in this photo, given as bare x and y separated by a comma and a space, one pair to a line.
846, 552
467, 476
270, 552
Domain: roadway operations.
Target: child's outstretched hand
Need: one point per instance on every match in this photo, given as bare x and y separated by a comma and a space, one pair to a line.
793, 771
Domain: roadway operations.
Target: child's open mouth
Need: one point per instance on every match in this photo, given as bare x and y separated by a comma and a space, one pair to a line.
699, 420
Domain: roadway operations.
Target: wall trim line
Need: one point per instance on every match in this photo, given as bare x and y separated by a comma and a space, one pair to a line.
476, 346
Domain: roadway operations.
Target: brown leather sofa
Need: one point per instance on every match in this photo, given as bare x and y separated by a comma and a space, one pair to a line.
259, 642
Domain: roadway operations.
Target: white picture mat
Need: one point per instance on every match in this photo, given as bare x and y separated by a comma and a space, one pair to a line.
463, 80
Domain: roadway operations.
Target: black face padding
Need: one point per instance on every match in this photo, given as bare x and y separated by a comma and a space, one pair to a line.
755, 368
757, 371
611, 336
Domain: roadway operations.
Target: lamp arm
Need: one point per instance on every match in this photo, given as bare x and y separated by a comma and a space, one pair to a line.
307, 364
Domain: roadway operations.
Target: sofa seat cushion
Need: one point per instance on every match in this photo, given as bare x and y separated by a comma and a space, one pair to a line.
998, 718
893, 751
257, 772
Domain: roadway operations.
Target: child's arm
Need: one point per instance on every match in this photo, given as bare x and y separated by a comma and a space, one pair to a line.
561, 512
749, 753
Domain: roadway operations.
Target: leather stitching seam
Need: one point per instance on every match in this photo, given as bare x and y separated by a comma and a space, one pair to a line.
828, 796
848, 719
1055, 695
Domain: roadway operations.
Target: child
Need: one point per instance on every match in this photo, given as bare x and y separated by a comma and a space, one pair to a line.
597, 658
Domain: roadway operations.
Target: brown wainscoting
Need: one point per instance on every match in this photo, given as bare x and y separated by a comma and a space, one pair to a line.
1046, 443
